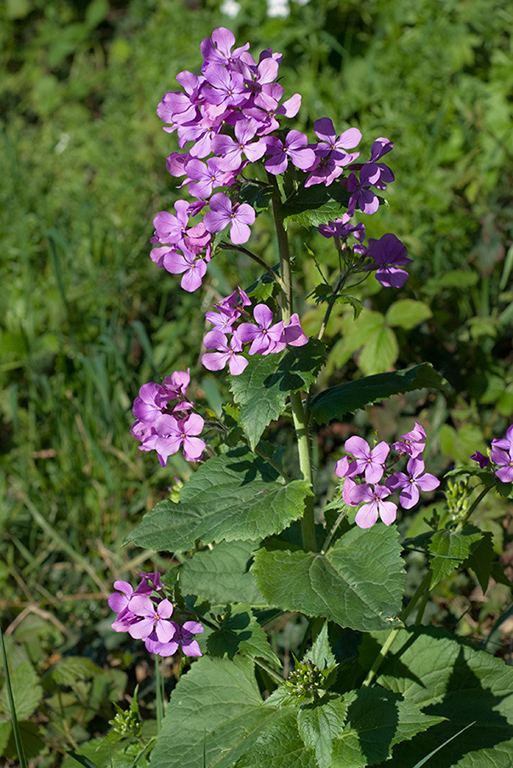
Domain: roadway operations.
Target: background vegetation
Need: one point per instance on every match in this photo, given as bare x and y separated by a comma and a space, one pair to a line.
86, 318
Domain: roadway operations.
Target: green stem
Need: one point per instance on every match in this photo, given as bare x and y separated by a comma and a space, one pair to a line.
299, 412
158, 693
285, 268
472, 507
300, 419
378, 661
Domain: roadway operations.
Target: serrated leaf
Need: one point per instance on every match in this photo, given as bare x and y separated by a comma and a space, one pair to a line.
234, 496
319, 724
320, 653
358, 583
377, 720
336, 402
445, 674
257, 195
215, 715
262, 389
26, 691
221, 575
240, 632
71, 669
481, 559
355, 303
449, 549
280, 746
315, 205
407, 313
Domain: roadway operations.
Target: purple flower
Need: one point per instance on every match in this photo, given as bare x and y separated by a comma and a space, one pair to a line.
388, 254
483, 461
412, 443
226, 353
170, 229
331, 155
218, 48
504, 460
149, 403
264, 337
295, 148
359, 189
120, 600
368, 462
151, 617
204, 177
223, 213
410, 483
231, 150
505, 443
374, 505
223, 87
293, 334
170, 434
185, 263
183, 636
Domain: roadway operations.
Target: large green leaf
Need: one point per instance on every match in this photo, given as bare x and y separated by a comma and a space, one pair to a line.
262, 389
222, 574
280, 746
376, 721
356, 730
447, 677
234, 496
358, 583
215, 715
240, 632
336, 402
450, 548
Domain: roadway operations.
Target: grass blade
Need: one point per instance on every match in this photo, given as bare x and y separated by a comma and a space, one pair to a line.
427, 757
12, 708
82, 760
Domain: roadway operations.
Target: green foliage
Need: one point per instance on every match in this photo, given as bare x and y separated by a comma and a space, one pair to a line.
357, 583
226, 724
234, 496
262, 389
86, 319
460, 684
222, 574
336, 402
239, 633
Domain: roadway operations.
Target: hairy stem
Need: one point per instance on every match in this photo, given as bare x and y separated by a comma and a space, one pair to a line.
299, 411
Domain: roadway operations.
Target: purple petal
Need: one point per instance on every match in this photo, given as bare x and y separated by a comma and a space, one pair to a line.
367, 515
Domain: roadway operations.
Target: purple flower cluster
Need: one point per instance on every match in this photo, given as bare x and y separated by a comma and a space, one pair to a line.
501, 457
163, 422
385, 256
146, 615
364, 468
229, 335
225, 118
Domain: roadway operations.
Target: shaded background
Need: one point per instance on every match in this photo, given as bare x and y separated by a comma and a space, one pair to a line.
86, 318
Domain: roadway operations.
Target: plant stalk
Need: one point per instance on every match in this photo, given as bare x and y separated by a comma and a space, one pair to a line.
423, 587
299, 411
